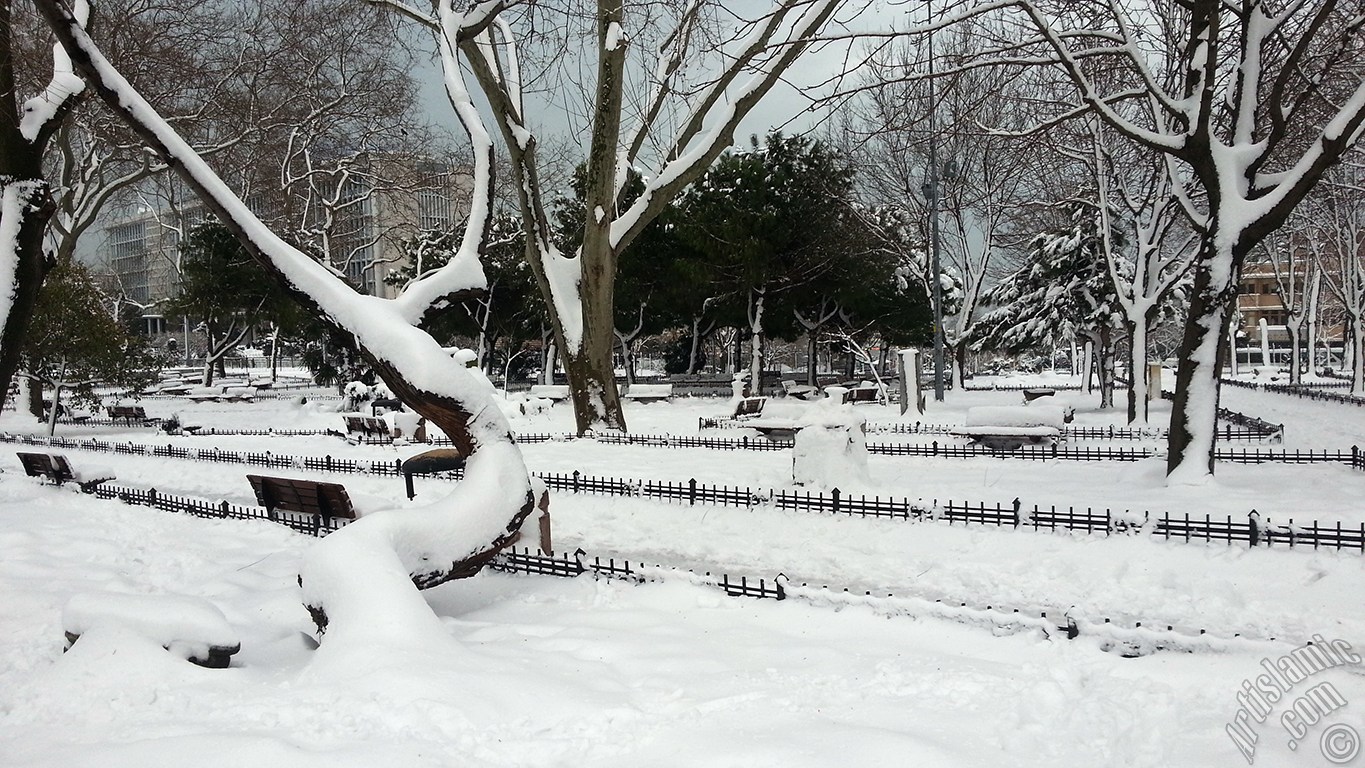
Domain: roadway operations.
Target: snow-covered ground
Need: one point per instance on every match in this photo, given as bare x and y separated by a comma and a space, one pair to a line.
545, 671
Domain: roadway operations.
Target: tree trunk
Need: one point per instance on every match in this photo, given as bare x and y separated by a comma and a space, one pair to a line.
1087, 366
56, 406
1194, 414
1357, 356
1295, 330
756, 342
31, 201
1138, 382
32, 395
1104, 351
812, 350
695, 346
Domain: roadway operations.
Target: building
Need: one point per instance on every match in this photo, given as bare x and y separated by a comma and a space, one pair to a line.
358, 217
1258, 298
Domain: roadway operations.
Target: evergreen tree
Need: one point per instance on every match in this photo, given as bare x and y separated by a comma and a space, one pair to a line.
74, 344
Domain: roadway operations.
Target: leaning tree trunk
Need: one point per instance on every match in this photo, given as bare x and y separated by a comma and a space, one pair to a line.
812, 349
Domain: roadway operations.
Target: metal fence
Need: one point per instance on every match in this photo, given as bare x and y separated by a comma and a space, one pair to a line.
1128, 638
1240, 428
1310, 393
1184, 527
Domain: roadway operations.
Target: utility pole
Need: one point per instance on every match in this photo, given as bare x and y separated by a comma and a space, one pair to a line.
931, 196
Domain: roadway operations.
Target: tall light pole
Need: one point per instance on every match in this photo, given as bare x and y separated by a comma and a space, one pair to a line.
931, 178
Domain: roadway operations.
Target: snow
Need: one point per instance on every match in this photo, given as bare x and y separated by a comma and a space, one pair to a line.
521, 670
191, 624
518, 670
615, 37
1016, 416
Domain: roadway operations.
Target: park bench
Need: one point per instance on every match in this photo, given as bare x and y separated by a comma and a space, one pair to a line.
361, 427
749, 407
555, 392
648, 393
863, 394
1008, 428
307, 497
130, 414
189, 627
799, 391
775, 430
56, 468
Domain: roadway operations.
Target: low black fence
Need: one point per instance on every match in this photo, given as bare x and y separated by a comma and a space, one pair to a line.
1236, 431
313, 525
1129, 638
1253, 532
1307, 392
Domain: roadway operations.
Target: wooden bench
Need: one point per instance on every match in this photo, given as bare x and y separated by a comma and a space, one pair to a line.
430, 462
367, 426
189, 627
555, 392
307, 497
130, 414
1008, 428
799, 391
775, 430
749, 407
863, 395
56, 468
648, 393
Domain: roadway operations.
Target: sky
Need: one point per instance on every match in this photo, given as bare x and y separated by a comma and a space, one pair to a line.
784, 108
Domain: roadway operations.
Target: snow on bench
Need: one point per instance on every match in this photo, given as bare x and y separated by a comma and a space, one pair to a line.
1006, 428
555, 392
189, 627
648, 392
56, 468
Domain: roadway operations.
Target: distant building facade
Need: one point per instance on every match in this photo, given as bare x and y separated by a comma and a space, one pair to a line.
359, 223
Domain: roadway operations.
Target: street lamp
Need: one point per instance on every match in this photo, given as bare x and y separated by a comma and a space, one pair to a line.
931, 195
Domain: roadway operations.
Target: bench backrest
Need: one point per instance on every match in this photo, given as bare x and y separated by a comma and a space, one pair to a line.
45, 465
127, 412
649, 391
750, 406
304, 496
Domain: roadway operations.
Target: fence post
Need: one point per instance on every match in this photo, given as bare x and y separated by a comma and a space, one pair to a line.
575, 481
692, 491
835, 495
1016, 511
151, 497
1355, 457
223, 508
1254, 520
935, 448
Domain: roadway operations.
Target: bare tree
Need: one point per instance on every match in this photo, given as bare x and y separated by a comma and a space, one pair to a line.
987, 174
1336, 242
1156, 251
697, 70
1249, 102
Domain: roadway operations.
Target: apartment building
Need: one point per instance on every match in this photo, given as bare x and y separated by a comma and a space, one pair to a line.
356, 218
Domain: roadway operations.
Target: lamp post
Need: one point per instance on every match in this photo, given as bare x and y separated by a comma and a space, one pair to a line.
931, 196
